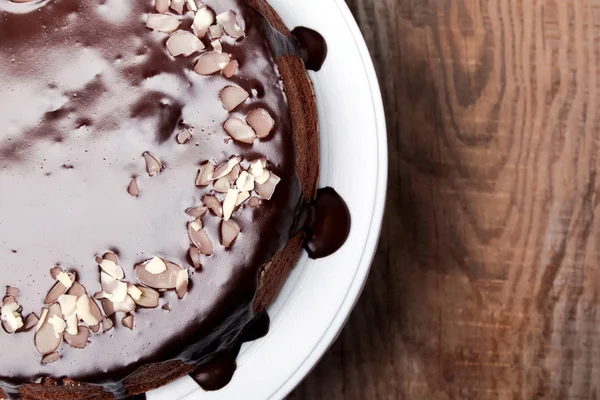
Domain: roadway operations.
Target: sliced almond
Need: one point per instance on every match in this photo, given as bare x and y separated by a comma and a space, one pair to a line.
10, 315
133, 189
66, 279
213, 205
76, 290
184, 136
194, 254
55, 271
242, 197
162, 6
261, 121
107, 324
125, 306
215, 31
153, 165
222, 185
181, 285
184, 43
12, 291
200, 239
245, 182
229, 203
58, 324
216, 45
30, 322
235, 172
128, 321
87, 310
191, 5
164, 280
79, 340
231, 69
256, 168
46, 339
148, 298
50, 358
233, 96
68, 304
72, 324
211, 62
162, 23
108, 307
229, 231
267, 189
196, 212
205, 174
228, 20
261, 180
112, 269
155, 266
114, 289
203, 19
239, 130
57, 290
42, 320
226, 168
95, 328
177, 6
134, 292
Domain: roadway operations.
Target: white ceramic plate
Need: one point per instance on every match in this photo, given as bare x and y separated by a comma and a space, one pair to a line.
319, 295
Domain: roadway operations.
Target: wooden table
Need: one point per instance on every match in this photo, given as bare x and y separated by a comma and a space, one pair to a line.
486, 282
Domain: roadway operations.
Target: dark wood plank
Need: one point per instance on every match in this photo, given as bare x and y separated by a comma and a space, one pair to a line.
486, 281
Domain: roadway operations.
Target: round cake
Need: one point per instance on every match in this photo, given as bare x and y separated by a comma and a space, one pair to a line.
158, 175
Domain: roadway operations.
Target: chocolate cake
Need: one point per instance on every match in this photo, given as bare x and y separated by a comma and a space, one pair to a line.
158, 181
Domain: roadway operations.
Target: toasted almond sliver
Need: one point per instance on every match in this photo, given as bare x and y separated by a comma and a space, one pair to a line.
30, 322
164, 280
226, 168
128, 321
235, 172
66, 279
162, 6
261, 121
153, 165
242, 197
50, 358
267, 189
215, 31
55, 271
57, 290
239, 130
149, 297
231, 69
184, 136
58, 324
201, 240
155, 266
256, 168
111, 268
191, 5
80, 339
125, 306
229, 231
42, 320
229, 203
194, 254
203, 19
263, 178
133, 189
196, 225
213, 205
12, 291
196, 212
222, 185
177, 6
228, 20
46, 339
68, 304
134, 292
107, 324
211, 62
205, 174
181, 285
85, 311
72, 324
113, 288
162, 23
184, 43
233, 96
216, 45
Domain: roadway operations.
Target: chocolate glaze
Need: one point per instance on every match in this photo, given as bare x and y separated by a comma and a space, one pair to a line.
312, 47
84, 84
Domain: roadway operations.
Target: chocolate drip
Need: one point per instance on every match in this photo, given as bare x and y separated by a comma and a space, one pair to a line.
312, 47
326, 223
217, 372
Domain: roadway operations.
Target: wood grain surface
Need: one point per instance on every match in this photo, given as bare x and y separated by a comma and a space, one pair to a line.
486, 282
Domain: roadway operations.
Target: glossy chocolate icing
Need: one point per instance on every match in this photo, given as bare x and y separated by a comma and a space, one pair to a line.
85, 89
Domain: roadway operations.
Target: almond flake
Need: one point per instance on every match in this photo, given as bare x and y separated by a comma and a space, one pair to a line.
196, 212
201, 240
87, 310
55, 271
228, 20
196, 225
133, 188
77, 290
78, 340
229, 203
111, 268
30, 322
12, 291
66, 279
10, 315
165, 280
231, 69
194, 254
261, 121
42, 320
114, 289
162, 23
222, 185
72, 324
155, 266
229, 231
267, 189
162, 6
125, 306
184, 43
263, 178
235, 172
177, 6
55, 292
191, 5
148, 298
211, 62
153, 165
181, 285
50, 358
245, 183
213, 205
216, 45
128, 321
233, 96
215, 31
205, 174
242, 197
107, 324
226, 168
203, 19
256, 168
59, 325
184, 136
239, 130
68, 304
134, 292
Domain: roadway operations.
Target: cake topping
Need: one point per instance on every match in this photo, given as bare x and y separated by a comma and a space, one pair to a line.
162, 6
229, 232
184, 136
128, 321
133, 188
153, 165
233, 96
50, 358
261, 121
211, 62
166, 279
10, 314
228, 20
203, 19
184, 43
239, 130
162, 23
